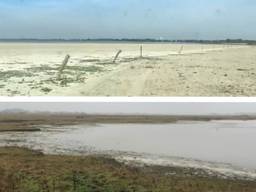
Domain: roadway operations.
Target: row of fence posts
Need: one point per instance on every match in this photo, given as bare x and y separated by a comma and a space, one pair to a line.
67, 58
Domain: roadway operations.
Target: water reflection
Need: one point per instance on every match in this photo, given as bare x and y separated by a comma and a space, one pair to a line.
230, 142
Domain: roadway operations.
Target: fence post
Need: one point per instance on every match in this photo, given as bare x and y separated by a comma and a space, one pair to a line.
181, 49
141, 51
117, 55
63, 66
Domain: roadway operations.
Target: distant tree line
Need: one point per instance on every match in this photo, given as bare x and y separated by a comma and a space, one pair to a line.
147, 40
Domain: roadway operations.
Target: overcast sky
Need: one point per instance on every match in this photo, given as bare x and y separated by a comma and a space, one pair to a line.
137, 108
169, 19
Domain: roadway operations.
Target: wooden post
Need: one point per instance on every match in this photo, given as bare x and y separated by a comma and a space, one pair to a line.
181, 49
117, 55
63, 66
141, 51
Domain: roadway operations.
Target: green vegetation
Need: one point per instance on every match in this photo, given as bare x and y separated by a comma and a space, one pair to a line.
5, 75
91, 68
23, 170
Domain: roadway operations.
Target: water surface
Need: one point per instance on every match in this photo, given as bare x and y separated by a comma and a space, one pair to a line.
223, 142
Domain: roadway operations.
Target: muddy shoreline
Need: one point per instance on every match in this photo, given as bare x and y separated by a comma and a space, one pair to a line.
30, 121
188, 174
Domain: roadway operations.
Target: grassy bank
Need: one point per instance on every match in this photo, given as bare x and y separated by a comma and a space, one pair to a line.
30, 171
25, 121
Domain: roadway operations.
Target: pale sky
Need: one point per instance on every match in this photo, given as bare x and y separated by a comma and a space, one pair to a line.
169, 19
137, 108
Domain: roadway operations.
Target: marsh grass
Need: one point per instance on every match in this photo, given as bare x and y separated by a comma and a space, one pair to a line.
134, 59
89, 60
42, 68
71, 74
5, 75
75, 74
25, 170
46, 90
91, 69
71, 70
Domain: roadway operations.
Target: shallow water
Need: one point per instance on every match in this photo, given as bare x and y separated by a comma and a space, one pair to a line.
229, 142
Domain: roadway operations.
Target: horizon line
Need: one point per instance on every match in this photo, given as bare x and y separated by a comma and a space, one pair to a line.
129, 39
20, 111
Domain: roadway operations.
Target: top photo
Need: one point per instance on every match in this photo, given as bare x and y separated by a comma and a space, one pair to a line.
131, 48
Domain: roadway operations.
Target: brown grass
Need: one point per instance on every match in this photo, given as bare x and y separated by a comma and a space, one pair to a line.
25, 170
32, 121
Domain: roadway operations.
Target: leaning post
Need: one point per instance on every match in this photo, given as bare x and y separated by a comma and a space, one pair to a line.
63, 66
117, 55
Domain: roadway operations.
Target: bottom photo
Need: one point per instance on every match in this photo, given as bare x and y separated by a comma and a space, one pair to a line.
127, 147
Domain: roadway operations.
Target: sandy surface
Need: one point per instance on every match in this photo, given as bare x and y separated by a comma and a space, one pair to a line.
200, 70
